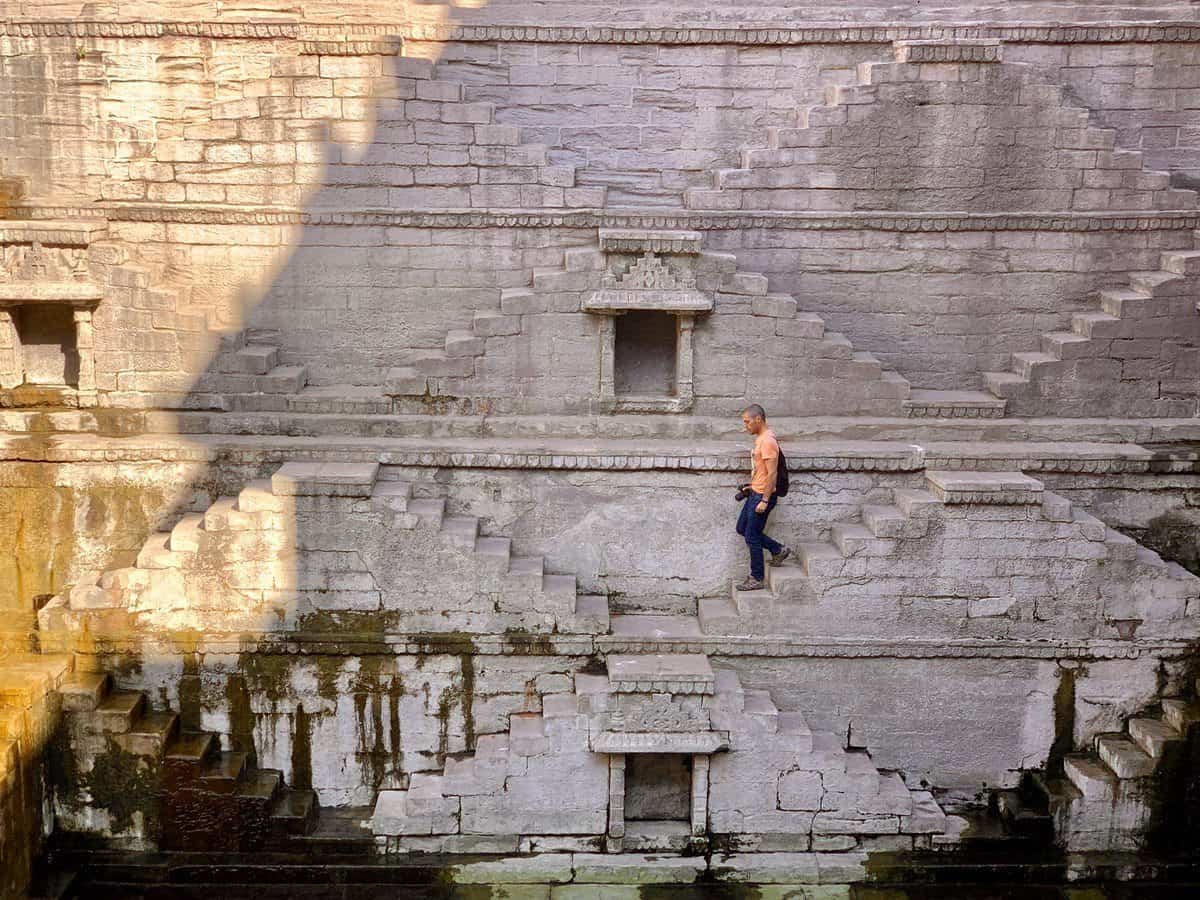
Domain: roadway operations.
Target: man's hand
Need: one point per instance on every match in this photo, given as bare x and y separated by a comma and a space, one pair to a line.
761, 508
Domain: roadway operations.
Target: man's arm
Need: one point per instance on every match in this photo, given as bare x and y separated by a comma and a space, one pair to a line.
771, 463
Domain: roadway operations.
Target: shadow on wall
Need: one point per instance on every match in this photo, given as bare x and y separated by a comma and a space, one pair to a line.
362, 714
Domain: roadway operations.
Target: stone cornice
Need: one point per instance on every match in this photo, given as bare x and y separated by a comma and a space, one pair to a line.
377, 38
683, 454
627, 218
799, 647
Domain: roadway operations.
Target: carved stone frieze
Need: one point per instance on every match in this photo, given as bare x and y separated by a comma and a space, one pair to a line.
636, 713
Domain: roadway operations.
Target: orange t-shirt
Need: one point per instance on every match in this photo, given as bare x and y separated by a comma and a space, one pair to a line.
765, 447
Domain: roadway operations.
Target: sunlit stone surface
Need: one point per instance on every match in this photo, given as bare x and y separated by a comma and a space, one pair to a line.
370, 394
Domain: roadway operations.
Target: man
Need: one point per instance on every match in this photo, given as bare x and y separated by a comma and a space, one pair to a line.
761, 499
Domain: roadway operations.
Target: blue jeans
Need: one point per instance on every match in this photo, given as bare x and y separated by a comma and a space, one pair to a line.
750, 526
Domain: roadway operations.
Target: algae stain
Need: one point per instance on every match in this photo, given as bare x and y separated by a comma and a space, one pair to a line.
241, 718
467, 669
302, 750
1064, 721
395, 734
124, 785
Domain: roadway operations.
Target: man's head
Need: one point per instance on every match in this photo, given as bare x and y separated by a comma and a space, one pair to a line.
754, 418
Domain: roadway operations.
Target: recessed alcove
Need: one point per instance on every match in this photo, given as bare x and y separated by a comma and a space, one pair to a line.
47, 347
644, 354
658, 787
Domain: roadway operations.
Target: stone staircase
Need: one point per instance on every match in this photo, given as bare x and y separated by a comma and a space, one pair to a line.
507, 794
1127, 791
467, 366
244, 362
236, 566
134, 773
790, 166
492, 557
29, 714
791, 161
1113, 361
949, 541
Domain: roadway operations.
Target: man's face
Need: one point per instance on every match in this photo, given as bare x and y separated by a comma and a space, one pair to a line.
751, 423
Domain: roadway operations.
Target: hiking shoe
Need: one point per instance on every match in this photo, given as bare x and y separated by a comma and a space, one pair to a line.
752, 584
777, 560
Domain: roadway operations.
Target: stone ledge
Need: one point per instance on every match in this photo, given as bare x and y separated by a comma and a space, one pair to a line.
950, 51
850, 33
583, 454
997, 488
78, 232
815, 647
616, 218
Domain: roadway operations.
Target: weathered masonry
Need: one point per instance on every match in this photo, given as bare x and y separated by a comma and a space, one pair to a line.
370, 383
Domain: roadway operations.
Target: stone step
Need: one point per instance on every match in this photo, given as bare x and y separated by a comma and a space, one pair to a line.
405, 381
436, 364
150, 734
486, 324
1152, 281
527, 734
926, 404
727, 687
1152, 735
1182, 262
84, 691
915, 503
592, 614
257, 496
395, 495
760, 705
559, 585
325, 479
851, 537
688, 673
820, 559
156, 552
185, 536
460, 531
884, 521
718, 615
430, 511
1126, 303
251, 359
1026, 364
1004, 385
1123, 756
756, 603
1180, 714
647, 627
462, 343
118, 711
294, 813
494, 553
958, 487
527, 567
1092, 778
193, 748
223, 772
1064, 345
260, 785
1095, 325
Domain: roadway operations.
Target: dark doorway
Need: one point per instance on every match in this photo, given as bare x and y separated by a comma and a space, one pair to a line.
644, 355
658, 787
47, 345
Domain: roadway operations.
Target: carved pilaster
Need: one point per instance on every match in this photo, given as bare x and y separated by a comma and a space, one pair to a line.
10, 352
616, 801
700, 795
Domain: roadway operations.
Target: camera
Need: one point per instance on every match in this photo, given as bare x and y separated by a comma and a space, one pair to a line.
743, 492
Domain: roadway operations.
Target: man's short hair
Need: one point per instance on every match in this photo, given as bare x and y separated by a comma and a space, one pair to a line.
755, 412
